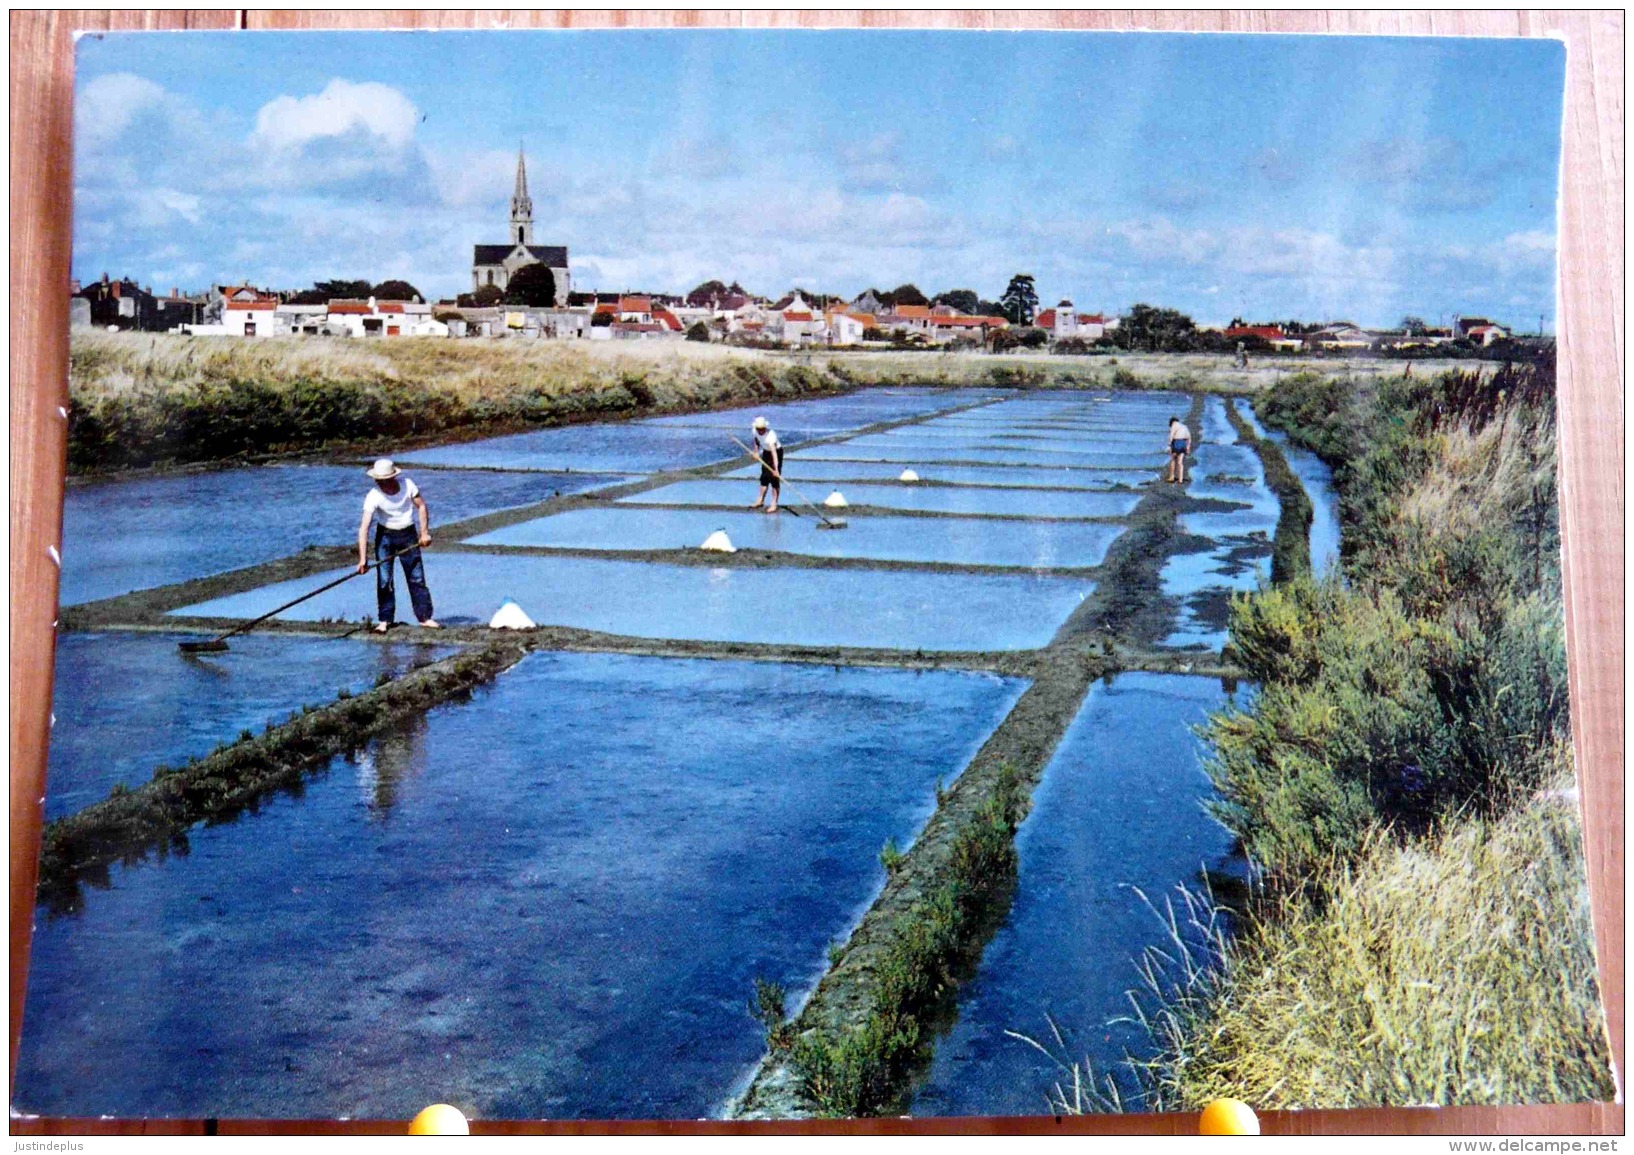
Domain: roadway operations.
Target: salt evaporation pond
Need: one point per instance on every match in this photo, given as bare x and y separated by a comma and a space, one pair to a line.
836, 414
908, 611
843, 451
120, 536
1317, 479
1120, 807
950, 540
929, 441
550, 902
966, 500
604, 447
125, 703
797, 470
1238, 553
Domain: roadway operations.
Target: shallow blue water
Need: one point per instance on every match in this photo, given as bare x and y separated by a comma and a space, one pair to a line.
128, 535
910, 611
797, 470
125, 703
1119, 808
549, 902
929, 442
936, 498
834, 414
930, 455
1226, 471
956, 541
608, 447
1317, 478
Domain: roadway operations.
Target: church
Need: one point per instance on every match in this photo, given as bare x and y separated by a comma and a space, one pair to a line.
495, 264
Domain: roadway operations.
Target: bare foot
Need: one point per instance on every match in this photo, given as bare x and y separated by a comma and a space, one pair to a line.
430, 624
381, 627
771, 509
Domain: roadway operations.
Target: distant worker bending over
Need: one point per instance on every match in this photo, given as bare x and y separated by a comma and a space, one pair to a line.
1179, 446
769, 452
391, 507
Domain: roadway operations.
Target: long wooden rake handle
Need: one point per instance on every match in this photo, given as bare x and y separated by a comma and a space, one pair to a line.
783, 481
236, 630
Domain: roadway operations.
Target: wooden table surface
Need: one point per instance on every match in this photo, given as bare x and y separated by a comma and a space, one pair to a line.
1590, 327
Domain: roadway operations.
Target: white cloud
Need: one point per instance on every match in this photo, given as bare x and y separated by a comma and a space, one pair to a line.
290, 122
106, 106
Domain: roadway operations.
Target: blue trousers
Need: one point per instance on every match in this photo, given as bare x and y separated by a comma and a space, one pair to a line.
386, 543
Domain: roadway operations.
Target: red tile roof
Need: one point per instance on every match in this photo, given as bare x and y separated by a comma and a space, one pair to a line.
635, 304
1267, 332
797, 316
914, 311
349, 307
258, 306
968, 322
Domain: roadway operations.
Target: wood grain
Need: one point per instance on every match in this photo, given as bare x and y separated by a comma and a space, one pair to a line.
1591, 252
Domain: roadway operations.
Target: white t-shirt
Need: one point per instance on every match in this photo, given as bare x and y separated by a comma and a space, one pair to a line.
392, 510
1179, 432
766, 441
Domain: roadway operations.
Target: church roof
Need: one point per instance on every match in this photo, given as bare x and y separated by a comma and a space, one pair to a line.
552, 256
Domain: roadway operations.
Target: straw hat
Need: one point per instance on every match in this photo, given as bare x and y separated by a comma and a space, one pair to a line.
762, 423
383, 470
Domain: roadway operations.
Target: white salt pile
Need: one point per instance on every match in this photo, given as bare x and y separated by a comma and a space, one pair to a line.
718, 542
836, 500
510, 617
908, 475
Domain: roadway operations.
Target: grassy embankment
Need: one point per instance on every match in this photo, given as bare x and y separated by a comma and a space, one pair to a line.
1402, 781
131, 822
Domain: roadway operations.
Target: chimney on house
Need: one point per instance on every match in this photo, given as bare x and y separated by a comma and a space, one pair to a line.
175, 292
104, 278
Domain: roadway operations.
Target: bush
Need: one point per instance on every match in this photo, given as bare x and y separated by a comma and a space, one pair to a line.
698, 332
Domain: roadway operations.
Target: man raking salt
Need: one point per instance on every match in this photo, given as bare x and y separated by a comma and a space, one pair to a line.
391, 507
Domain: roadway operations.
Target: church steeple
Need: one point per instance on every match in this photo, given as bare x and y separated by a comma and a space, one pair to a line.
521, 204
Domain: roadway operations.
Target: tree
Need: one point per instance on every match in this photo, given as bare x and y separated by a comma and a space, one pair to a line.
698, 332
1414, 326
908, 294
484, 297
1149, 328
395, 291
964, 300
533, 285
1020, 300
707, 294
989, 309
331, 290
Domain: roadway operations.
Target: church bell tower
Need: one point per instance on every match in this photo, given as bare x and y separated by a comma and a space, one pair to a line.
521, 205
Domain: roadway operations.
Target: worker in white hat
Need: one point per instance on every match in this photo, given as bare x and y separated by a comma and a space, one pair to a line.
391, 507
769, 452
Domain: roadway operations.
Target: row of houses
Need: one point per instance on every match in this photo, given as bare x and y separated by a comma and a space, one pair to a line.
795, 320
1341, 335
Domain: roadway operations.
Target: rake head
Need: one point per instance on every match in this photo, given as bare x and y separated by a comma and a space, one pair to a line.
212, 647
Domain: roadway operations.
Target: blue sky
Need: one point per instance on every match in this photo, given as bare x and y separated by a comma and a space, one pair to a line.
1268, 176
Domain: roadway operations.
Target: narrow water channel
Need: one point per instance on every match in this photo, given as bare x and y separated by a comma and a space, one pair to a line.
1118, 816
